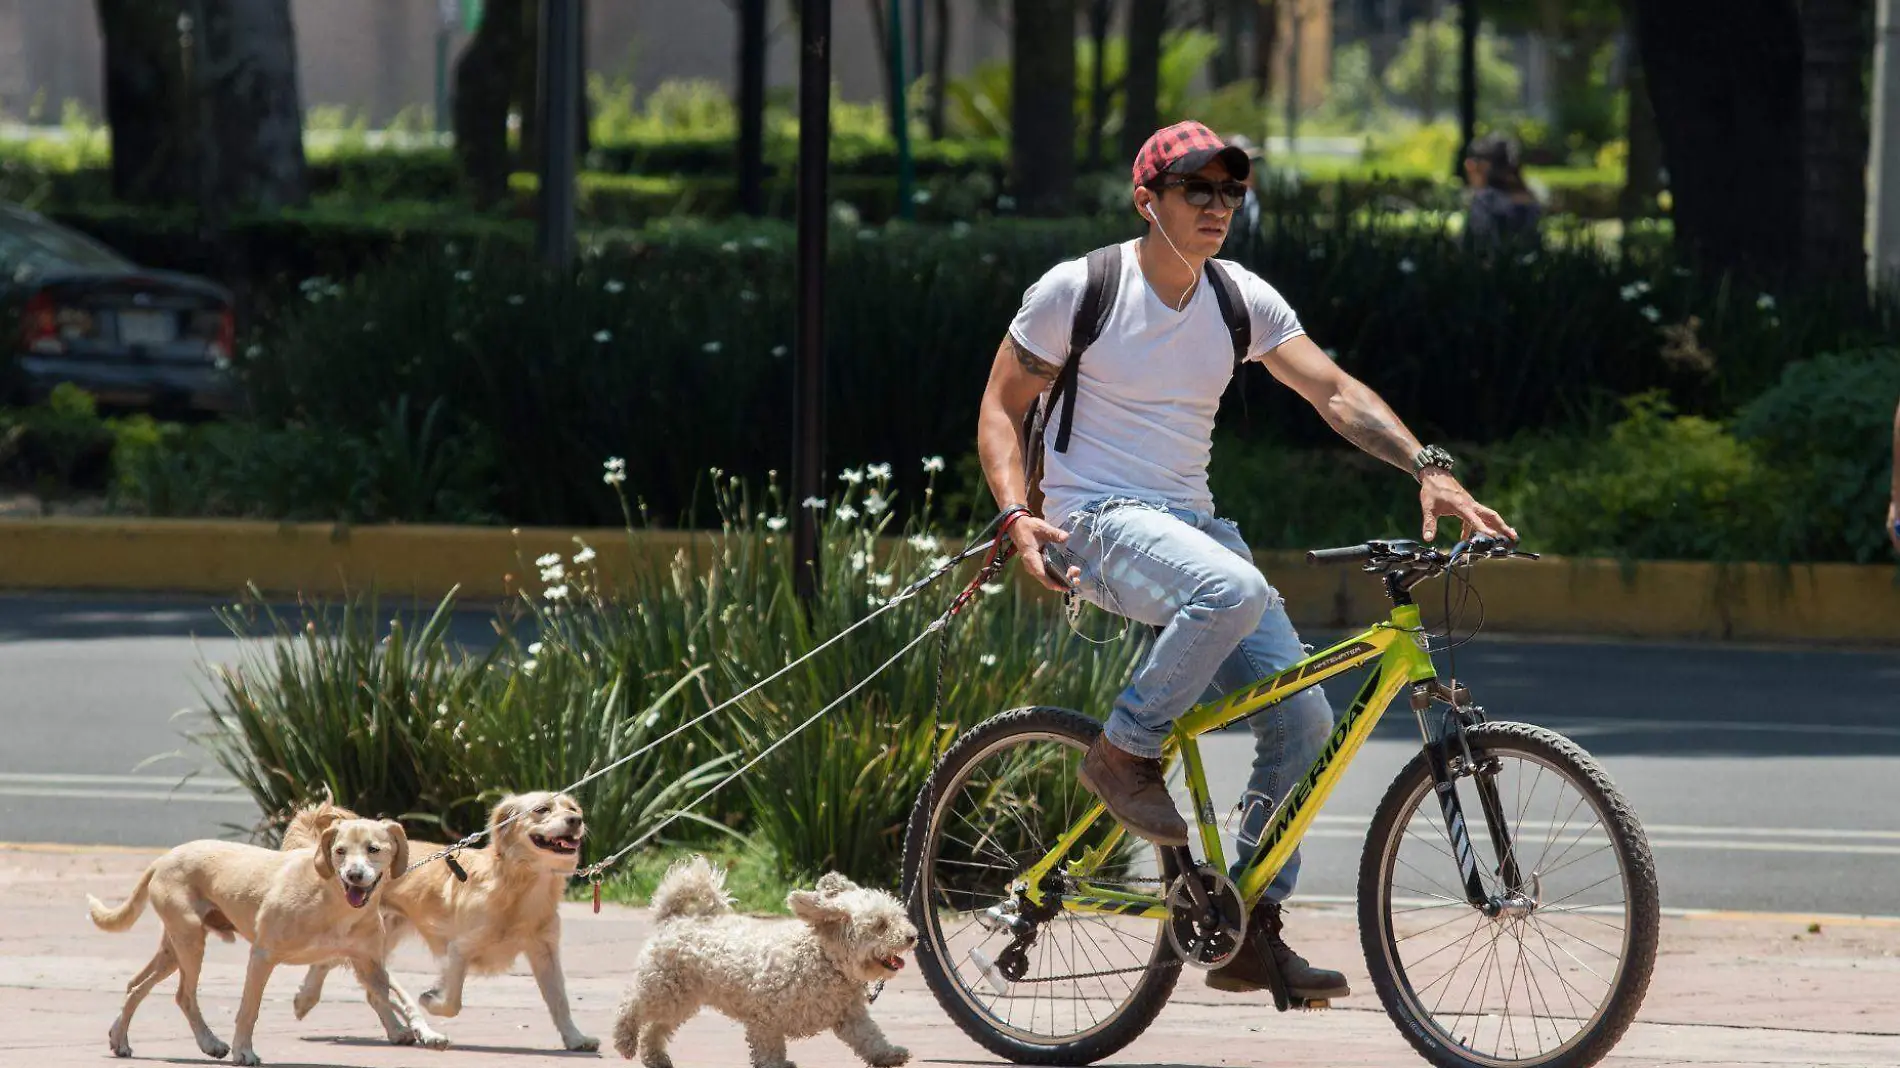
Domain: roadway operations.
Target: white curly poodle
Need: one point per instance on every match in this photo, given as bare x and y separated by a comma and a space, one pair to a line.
781, 979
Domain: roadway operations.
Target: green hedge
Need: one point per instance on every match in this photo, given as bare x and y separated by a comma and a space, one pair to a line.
674, 350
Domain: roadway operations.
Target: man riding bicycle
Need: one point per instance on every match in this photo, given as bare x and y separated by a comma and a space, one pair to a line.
1126, 495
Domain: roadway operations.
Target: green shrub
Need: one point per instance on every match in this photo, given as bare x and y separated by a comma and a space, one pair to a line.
410, 467
411, 724
1829, 423
1661, 487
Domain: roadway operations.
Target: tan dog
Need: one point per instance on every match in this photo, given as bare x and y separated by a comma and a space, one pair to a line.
307, 906
508, 908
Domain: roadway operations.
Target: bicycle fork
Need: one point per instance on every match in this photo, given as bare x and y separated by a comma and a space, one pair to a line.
1450, 760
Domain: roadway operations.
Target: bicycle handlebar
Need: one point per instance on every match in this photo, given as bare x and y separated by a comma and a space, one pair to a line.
1411, 555
1344, 555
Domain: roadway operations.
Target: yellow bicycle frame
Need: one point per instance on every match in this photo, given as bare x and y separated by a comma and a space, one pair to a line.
1399, 648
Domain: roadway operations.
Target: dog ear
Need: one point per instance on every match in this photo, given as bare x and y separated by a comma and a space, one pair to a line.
831, 884
326, 842
815, 909
398, 838
504, 812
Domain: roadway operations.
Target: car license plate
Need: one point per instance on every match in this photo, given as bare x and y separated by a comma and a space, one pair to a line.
147, 327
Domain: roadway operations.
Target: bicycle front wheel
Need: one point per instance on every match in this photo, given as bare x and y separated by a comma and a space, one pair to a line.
1553, 972
1036, 984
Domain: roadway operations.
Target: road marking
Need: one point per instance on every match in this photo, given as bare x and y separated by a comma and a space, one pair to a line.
1801, 919
194, 783
1690, 836
126, 795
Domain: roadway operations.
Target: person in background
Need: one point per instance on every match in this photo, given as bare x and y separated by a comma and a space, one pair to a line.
1893, 503
1245, 230
1503, 209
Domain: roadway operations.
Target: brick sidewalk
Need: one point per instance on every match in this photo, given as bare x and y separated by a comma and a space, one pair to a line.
1728, 991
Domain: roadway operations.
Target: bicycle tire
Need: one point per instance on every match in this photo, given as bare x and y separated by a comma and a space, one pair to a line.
1377, 870
1151, 990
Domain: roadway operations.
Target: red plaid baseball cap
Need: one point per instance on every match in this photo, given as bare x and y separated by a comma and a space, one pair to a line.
1184, 148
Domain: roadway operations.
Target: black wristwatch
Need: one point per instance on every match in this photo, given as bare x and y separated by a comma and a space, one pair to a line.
1431, 456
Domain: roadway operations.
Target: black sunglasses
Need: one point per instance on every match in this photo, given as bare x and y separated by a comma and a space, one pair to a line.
1199, 192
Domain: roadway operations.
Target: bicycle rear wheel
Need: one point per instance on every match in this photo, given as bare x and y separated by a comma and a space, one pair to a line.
1086, 984
1554, 978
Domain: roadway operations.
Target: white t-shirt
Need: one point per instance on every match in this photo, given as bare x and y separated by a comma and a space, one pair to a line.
1148, 388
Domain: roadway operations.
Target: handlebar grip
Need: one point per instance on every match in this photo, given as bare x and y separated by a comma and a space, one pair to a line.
1344, 555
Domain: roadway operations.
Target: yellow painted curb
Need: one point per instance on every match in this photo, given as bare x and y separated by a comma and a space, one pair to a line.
1665, 600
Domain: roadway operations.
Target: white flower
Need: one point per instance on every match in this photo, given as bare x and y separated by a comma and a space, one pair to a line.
553, 572
760, 242
1765, 302
585, 556
873, 600
775, 523
709, 347
616, 471
1635, 289
779, 350
1406, 266
875, 503
846, 512
464, 276
614, 285
1527, 258
987, 659
730, 246
556, 593
1650, 313
534, 649
851, 475
959, 228
528, 666
516, 299
603, 336
991, 589
937, 563
816, 504
921, 196
924, 543
880, 472
867, 235
988, 257
451, 248
547, 559
933, 464
882, 579
858, 560
1006, 203
748, 295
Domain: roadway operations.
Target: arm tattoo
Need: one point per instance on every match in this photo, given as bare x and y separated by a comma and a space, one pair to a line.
1361, 418
1030, 362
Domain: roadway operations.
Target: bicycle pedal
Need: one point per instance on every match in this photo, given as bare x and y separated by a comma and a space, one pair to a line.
1312, 1004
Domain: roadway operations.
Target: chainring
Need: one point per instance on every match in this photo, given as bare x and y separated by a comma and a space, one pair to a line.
1200, 940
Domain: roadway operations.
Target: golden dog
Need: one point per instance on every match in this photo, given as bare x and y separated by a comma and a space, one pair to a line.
307, 906
508, 908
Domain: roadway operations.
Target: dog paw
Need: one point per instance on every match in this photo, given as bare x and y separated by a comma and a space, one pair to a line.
302, 1004
436, 1004
889, 1058
216, 1049
246, 1057
121, 1048
581, 1043
431, 1039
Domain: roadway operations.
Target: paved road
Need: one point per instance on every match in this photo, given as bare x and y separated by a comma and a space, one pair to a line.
1768, 778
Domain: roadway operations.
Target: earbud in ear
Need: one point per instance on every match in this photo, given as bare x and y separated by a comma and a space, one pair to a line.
1149, 210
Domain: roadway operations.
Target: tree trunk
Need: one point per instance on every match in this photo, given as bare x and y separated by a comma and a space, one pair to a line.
250, 71
1042, 105
939, 70
484, 86
148, 103
1098, 87
1725, 79
1266, 34
1836, 40
1141, 85
1643, 176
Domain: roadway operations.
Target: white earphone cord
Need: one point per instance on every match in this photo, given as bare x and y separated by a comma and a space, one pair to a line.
1192, 286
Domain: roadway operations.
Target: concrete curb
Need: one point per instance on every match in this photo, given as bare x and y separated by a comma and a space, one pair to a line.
1661, 599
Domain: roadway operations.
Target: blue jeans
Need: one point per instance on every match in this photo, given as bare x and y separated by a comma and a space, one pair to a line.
1223, 627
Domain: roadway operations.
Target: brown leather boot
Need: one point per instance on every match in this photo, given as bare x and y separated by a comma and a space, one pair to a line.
1133, 790
1248, 971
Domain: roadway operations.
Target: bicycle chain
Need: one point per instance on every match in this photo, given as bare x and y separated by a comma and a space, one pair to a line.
1162, 966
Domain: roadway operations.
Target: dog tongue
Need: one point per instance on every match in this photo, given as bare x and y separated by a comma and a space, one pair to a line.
895, 964
356, 895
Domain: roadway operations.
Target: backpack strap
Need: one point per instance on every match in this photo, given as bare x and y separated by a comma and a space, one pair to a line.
1091, 317
1233, 310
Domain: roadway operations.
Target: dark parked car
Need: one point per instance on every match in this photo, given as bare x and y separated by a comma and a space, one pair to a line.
130, 336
